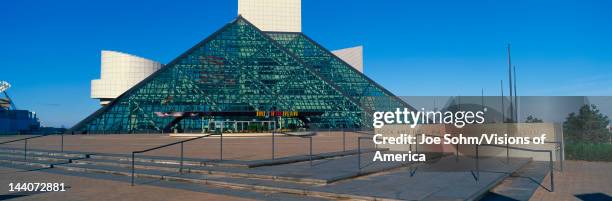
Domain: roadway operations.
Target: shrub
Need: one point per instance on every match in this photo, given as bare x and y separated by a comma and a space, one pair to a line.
588, 151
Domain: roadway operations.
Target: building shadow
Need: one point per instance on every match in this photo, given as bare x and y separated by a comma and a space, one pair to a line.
594, 197
490, 196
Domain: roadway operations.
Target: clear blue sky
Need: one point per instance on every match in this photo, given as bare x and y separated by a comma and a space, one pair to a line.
50, 50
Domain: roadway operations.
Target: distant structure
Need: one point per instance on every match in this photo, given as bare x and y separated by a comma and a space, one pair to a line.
12, 120
352, 55
119, 72
273, 15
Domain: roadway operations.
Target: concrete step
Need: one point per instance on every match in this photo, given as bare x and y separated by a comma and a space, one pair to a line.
217, 171
431, 182
187, 161
49, 158
217, 181
227, 163
31, 162
521, 184
41, 152
321, 171
444, 179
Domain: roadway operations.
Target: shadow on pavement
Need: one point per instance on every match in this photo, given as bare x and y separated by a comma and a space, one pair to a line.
594, 197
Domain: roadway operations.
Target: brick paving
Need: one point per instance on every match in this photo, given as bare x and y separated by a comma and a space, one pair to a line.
237, 148
82, 188
579, 177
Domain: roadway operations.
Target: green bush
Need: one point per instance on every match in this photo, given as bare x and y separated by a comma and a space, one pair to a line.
588, 152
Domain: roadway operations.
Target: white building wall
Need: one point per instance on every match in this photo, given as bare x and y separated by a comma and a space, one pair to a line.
273, 15
120, 72
352, 56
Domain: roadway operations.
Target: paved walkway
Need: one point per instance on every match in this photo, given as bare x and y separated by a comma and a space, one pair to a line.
234, 148
588, 180
82, 188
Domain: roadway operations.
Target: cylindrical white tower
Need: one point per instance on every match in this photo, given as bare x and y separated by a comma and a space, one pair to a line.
120, 72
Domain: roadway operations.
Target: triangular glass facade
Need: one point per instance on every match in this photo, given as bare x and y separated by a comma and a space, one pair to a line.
238, 70
370, 95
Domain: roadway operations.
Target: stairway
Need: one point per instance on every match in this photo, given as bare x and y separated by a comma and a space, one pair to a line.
331, 175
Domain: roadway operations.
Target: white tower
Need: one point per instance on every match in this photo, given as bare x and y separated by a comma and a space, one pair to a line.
273, 15
120, 72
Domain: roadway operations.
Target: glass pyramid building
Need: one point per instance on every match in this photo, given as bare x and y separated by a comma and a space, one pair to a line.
240, 73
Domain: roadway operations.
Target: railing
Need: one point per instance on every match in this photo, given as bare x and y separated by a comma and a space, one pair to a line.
25, 143
359, 138
550, 153
310, 140
291, 135
171, 144
559, 146
359, 150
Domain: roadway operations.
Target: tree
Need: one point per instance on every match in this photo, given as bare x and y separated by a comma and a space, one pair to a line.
589, 125
531, 119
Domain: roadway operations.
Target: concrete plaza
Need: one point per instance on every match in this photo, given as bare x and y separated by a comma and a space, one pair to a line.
433, 181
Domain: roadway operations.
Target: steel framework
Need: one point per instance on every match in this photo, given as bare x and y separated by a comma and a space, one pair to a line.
239, 68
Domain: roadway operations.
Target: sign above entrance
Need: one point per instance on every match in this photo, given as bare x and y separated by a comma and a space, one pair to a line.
277, 113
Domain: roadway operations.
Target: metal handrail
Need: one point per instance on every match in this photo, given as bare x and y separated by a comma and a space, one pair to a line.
359, 150
25, 143
27, 138
362, 132
550, 153
560, 146
163, 146
287, 134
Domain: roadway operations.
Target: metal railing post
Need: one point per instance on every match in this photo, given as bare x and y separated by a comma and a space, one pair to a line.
343, 140
552, 173
457, 153
416, 146
132, 168
272, 145
25, 149
181, 166
221, 147
358, 153
166, 145
477, 164
507, 153
310, 150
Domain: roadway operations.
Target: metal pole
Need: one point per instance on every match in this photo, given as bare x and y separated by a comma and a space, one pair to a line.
132, 168
358, 153
181, 167
343, 140
503, 110
562, 154
25, 149
416, 146
552, 173
310, 150
62, 142
272, 145
477, 164
507, 153
510, 85
221, 147
516, 117
457, 153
